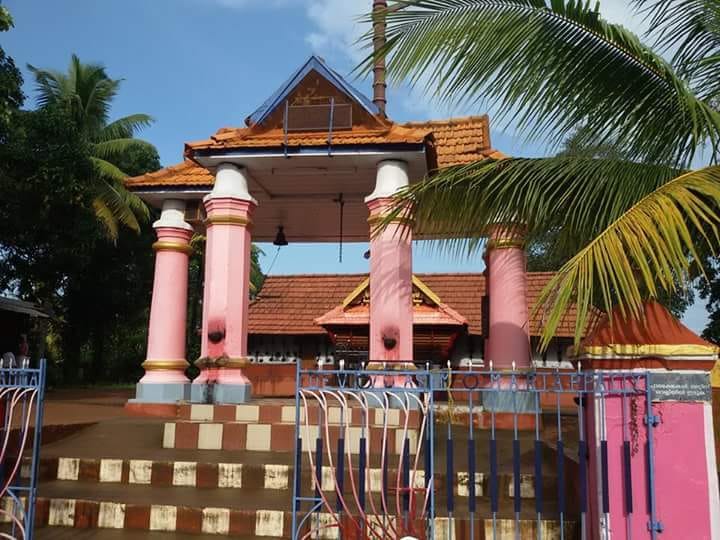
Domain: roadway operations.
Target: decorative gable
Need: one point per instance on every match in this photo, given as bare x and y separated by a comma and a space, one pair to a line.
428, 309
316, 98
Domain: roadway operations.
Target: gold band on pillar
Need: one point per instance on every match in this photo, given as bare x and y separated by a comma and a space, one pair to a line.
162, 245
221, 362
228, 220
374, 220
156, 365
392, 365
225, 362
506, 244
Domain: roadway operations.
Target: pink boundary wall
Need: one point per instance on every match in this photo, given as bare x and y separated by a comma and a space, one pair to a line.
686, 478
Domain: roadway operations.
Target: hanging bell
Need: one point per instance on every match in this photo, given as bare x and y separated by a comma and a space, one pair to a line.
280, 239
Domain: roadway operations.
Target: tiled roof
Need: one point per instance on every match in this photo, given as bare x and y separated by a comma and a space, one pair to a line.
457, 141
290, 304
187, 173
234, 138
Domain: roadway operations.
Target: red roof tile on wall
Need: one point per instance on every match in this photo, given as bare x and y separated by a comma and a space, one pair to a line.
290, 304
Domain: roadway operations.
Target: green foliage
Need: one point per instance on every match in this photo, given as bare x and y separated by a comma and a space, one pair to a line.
6, 20
54, 253
87, 92
11, 96
40, 170
548, 67
620, 198
710, 292
61, 168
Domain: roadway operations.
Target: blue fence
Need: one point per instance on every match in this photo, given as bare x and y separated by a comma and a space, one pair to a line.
21, 405
433, 453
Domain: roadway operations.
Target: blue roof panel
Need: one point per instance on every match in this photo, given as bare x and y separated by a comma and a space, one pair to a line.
318, 64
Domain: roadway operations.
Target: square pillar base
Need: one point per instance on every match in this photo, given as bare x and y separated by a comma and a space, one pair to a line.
231, 393
161, 392
201, 393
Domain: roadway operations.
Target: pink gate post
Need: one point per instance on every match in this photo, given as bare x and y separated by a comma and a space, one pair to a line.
660, 460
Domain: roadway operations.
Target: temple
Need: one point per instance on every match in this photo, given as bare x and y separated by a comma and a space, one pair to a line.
315, 148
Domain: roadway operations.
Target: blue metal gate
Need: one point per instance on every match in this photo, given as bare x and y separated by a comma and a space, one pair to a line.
22, 392
465, 453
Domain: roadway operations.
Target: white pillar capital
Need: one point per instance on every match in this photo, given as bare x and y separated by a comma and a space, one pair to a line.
392, 176
231, 181
173, 215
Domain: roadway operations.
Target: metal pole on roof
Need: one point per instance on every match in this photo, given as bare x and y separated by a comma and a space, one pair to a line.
379, 25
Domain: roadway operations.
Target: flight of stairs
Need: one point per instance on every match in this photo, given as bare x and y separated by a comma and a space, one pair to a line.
228, 471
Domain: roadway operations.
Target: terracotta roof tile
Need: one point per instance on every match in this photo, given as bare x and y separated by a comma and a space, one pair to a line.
254, 138
456, 141
187, 173
290, 304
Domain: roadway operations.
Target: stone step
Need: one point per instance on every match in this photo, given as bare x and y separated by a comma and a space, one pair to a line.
279, 437
67, 533
269, 412
280, 411
259, 476
191, 511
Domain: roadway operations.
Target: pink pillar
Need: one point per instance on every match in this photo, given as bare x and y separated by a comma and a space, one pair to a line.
509, 332
391, 314
164, 379
227, 287
687, 504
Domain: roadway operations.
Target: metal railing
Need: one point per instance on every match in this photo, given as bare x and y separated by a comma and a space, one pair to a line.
385, 454
22, 392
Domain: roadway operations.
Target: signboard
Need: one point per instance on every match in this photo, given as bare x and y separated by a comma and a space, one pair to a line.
680, 387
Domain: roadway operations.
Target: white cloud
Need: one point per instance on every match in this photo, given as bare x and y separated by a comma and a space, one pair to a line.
337, 28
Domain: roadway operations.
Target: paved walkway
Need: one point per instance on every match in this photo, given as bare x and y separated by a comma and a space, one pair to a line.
85, 405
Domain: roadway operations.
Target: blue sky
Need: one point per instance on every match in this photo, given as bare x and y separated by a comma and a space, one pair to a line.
197, 65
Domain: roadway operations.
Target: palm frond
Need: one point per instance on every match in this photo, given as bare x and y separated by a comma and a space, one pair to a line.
115, 148
49, 84
548, 67
649, 249
107, 170
690, 28
117, 203
117, 197
106, 217
125, 127
86, 88
578, 196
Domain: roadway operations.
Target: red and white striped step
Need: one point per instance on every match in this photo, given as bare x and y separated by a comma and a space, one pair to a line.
251, 476
276, 437
91, 514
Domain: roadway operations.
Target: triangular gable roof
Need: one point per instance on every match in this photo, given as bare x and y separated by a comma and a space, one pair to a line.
317, 64
431, 311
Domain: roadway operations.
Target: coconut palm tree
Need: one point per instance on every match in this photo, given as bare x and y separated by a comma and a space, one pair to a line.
634, 219
88, 93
